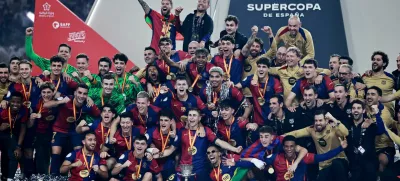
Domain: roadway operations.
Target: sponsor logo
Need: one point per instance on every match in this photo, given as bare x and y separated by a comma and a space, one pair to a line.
46, 12
78, 37
57, 25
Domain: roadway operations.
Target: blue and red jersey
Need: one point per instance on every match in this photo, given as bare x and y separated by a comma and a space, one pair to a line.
16, 120
236, 69
237, 132
176, 57
101, 132
228, 171
65, 87
234, 95
273, 87
122, 143
193, 72
33, 95
257, 150
154, 137
136, 163
78, 155
146, 122
323, 89
47, 117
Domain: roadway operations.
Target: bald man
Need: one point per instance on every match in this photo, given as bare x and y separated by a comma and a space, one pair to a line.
280, 57
294, 35
193, 46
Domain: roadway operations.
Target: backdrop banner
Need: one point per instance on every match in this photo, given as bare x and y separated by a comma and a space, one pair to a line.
55, 24
322, 18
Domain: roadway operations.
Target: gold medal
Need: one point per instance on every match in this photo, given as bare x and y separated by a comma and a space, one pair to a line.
168, 77
134, 177
27, 104
261, 101
184, 118
71, 119
232, 142
190, 89
84, 173
192, 151
226, 177
173, 76
39, 115
271, 170
199, 85
50, 118
288, 175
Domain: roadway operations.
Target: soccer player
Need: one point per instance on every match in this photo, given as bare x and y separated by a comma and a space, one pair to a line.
85, 164
325, 136
166, 53
155, 80
4, 82
104, 65
70, 110
324, 89
281, 162
294, 35
341, 107
354, 85
64, 51
83, 75
135, 165
233, 67
144, 114
127, 84
12, 130
334, 66
14, 69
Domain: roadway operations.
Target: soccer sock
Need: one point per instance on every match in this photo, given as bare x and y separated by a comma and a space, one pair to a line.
55, 164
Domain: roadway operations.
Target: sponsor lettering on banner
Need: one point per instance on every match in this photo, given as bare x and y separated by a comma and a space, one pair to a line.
78, 37
46, 11
57, 25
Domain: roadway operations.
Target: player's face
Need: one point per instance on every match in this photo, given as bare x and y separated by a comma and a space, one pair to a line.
15, 103
265, 139
82, 65
334, 63
398, 62
64, 52
201, 60
106, 114
104, 68
149, 56
126, 124
231, 27
14, 68
262, 70
89, 142
181, 86
108, 85
213, 154
309, 71
215, 79
377, 63
344, 75
25, 70
4, 74
319, 122
56, 68
47, 94
165, 47
193, 118
289, 148
275, 106
119, 66
255, 49
81, 95
142, 104
357, 111
281, 55
165, 7
340, 94
220, 51
292, 59
165, 123
202, 5
193, 46
227, 113
343, 61
309, 97
227, 47
294, 26
140, 146
153, 73
372, 97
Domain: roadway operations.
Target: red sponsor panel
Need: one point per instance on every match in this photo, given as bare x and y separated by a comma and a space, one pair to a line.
56, 24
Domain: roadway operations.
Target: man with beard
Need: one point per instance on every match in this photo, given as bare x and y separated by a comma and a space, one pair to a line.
334, 66
354, 85
159, 139
262, 89
62, 86
70, 110
384, 80
281, 119
180, 102
294, 35
217, 91
41, 120
232, 66
83, 75
341, 108
14, 69
135, 165
4, 82
155, 80
325, 88
85, 164
128, 88
150, 58
280, 57
289, 155
64, 51
231, 27
194, 147
325, 136
197, 26
163, 25
12, 133
384, 146
104, 65
361, 150
107, 95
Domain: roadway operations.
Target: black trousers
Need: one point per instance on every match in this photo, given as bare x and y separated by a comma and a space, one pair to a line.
337, 171
391, 173
43, 152
365, 170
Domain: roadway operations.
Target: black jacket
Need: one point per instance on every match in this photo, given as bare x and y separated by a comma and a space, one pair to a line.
205, 32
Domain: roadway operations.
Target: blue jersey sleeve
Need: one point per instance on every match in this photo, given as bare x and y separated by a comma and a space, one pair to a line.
246, 81
296, 88
71, 157
328, 155
244, 164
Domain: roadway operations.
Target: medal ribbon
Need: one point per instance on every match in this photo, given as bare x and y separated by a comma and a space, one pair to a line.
192, 140
195, 80
287, 166
40, 108
138, 170
165, 30
129, 146
228, 131
164, 144
228, 69
101, 97
86, 163
123, 83
58, 84
217, 173
27, 94
141, 119
102, 133
12, 123
157, 90
265, 88
74, 110
215, 97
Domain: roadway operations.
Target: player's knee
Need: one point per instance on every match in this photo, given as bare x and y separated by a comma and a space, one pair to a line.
56, 150
383, 159
111, 163
147, 176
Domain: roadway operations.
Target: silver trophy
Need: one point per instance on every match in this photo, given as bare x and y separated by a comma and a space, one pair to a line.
186, 171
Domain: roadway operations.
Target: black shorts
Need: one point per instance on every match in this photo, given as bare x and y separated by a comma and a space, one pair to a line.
389, 152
